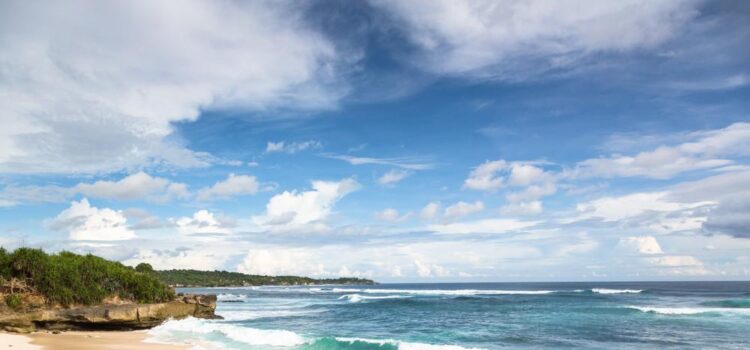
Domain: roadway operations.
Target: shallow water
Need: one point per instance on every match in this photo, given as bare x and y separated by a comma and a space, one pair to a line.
640, 315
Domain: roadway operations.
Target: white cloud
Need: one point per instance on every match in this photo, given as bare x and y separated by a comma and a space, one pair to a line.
85, 96
292, 147
275, 262
461, 209
486, 177
430, 211
699, 150
509, 37
234, 185
641, 245
404, 163
203, 222
494, 175
393, 176
295, 210
610, 209
491, 176
86, 223
136, 186
391, 215
482, 226
522, 208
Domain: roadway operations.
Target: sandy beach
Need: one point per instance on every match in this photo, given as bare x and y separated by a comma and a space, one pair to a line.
82, 341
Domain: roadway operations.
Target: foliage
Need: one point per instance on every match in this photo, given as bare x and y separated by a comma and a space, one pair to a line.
67, 278
13, 301
144, 268
196, 278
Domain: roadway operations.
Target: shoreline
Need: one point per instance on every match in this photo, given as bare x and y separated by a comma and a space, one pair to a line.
83, 340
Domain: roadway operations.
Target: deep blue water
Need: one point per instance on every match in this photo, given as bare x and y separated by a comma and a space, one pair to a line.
640, 315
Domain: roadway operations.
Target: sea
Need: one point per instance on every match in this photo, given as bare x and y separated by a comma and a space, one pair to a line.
632, 315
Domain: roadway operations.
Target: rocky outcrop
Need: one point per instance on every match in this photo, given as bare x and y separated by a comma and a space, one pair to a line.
109, 317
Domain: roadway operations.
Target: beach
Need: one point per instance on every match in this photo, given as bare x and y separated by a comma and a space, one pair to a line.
82, 341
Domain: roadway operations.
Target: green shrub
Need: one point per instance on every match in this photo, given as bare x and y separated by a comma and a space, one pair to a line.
67, 278
13, 301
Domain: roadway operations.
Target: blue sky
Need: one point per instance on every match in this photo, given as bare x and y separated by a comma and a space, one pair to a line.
401, 141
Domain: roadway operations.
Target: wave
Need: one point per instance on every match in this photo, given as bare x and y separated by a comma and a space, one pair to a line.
615, 291
174, 332
356, 298
689, 310
401, 345
732, 303
170, 332
455, 292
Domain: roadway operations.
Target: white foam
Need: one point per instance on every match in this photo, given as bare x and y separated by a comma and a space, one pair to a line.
356, 298
406, 345
251, 336
454, 292
689, 310
616, 291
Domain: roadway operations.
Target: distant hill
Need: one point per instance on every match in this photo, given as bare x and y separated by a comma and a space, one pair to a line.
196, 278
67, 279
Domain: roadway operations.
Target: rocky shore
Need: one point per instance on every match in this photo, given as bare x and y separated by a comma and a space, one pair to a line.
120, 316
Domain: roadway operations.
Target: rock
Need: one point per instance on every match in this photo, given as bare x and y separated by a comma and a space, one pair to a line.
109, 317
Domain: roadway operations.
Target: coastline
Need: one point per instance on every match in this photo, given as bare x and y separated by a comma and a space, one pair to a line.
83, 340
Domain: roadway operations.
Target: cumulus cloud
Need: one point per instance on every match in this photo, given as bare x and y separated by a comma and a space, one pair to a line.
203, 222
640, 244
136, 186
81, 92
87, 223
234, 185
292, 147
393, 176
698, 150
507, 38
534, 182
305, 210
430, 211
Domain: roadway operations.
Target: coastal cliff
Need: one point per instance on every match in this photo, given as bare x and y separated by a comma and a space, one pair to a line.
122, 316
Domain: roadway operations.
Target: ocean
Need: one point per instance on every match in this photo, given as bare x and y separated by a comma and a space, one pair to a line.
633, 315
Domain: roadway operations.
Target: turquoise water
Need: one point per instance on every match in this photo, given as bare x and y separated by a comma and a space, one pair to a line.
678, 315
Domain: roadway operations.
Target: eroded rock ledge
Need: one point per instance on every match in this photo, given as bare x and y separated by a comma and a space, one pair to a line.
109, 317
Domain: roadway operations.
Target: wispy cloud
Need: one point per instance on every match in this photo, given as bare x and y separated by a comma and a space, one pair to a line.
404, 163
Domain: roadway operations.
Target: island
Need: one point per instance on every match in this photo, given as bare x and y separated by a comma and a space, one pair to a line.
197, 278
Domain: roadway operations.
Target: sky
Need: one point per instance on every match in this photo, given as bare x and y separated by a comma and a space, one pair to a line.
403, 141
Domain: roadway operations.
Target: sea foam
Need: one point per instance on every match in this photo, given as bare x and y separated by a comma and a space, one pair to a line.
356, 298
173, 330
689, 310
615, 291
405, 345
438, 292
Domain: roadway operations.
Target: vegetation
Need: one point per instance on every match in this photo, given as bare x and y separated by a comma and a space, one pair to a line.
13, 301
67, 278
195, 278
